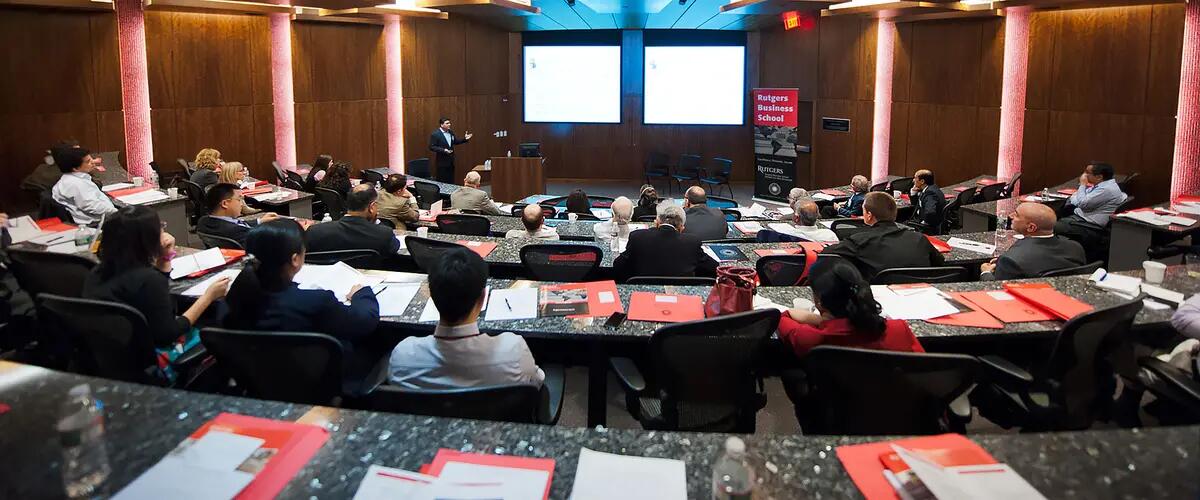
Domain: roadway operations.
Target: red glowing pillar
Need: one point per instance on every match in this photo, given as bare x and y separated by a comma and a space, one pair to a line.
885, 49
395, 95
1185, 168
282, 97
135, 86
1012, 98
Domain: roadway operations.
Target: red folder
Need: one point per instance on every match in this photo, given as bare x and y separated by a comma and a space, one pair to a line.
665, 308
483, 248
1187, 197
1067, 191
445, 456
1005, 306
960, 189
833, 192
976, 317
861, 461
294, 445
257, 190
937, 243
987, 182
1047, 298
53, 225
128, 191
598, 308
231, 255
950, 196
763, 252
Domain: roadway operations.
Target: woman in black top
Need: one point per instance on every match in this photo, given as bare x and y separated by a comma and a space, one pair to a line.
135, 259
321, 165
337, 178
647, 203
578, 203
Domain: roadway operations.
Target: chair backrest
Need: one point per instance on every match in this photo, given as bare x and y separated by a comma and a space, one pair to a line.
361, 258
690, 164
1124, 184
218, 241
195, 198
418, 167
724, 168
731, 214
557, 201
708, 370
283, 366
109, 339
781, 270
843, 228
425, 251
722, 202
188, 167
293, 180
657, 160
992, 192
882, 186
1078, 376
39, 272
280, 175
903, 184
652, 218
902, 275
335, 203
1071, 271
372, 176
671, 280
965, 197
473, 225
550, 262
1123, 207
507, 403
848, 387
49, 207
1011, 186
427, 193
600, 201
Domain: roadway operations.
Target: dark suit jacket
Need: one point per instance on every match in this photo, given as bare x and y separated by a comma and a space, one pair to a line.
1030, 257
223, 228
437, 144
318, 311
663, 251
352, 233
885, 246
641, 211
853, 206
706, 222
927, 206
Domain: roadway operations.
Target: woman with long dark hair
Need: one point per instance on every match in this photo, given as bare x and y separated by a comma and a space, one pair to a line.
847, 315
317, 172
264, 297
578, 203
135, 259
337, 178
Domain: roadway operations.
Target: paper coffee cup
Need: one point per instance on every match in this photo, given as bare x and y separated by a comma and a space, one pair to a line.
138, 181
572, 217
422, 231
1155, 271
172, 192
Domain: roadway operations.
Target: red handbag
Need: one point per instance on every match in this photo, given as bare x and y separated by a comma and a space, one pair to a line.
733, 292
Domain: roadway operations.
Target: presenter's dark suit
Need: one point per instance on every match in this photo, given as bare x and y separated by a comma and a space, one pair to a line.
352, 233
444, 160
886, 245
663, 251
1030, 256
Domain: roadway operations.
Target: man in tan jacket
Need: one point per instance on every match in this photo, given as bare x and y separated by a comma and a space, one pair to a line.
396, 204
470, 197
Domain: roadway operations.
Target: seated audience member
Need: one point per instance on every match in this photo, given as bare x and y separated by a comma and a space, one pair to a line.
706, 222
847, 315
859, 185
235, 173
208, 161
135, 260
927, 200
1095, 201
533, 219
458, 355
263, 297
1186, 321
358, 229
578, 203
1040, 250
396, 203
887, 244
796, 194
224, 203
647, 205
622, 210
665, 250
337, 178
317, 173
470, 197
75, 190
805, 215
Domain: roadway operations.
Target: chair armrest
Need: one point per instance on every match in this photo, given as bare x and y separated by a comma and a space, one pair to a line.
960, 408
1172, 376
1004, 369
552, 394
191, 356
628, 374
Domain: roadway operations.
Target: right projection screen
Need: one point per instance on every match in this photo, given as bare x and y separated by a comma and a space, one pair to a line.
694, 85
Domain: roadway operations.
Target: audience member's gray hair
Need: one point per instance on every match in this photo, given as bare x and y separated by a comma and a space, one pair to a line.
807, 212
695, 195
670, 213
796, 194
860, 184
622, 209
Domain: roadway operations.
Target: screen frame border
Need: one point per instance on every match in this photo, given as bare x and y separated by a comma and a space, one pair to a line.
745, 83
620, 82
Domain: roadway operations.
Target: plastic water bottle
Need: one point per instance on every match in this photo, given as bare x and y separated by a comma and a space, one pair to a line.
153, 178
733, 478
510, 153
327, 218
81, 433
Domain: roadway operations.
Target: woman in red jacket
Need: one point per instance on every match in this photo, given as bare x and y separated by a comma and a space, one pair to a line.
848, 315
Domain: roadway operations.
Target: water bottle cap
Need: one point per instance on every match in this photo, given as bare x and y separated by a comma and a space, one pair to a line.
735, 446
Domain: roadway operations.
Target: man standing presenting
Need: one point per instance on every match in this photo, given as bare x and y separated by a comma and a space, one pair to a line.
442, 143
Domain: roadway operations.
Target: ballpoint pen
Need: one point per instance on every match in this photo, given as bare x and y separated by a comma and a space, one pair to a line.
381, 289
507, 304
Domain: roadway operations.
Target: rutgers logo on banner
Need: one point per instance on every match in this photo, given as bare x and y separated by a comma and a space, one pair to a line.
776, 115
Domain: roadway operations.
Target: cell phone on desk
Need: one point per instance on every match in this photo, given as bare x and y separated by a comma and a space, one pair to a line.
615, 320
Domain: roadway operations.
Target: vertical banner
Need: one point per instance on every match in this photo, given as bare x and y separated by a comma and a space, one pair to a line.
775, 119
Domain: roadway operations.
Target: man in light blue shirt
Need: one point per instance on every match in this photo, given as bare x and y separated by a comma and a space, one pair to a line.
1095, 201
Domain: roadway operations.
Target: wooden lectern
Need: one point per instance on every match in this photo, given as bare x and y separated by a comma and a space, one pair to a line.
514, 178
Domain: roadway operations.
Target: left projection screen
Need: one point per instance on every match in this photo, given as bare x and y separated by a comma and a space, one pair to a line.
572, 84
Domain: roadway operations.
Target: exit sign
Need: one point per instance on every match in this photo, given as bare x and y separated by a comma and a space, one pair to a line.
791, 20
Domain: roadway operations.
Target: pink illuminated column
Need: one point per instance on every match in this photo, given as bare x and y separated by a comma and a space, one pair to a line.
282, 98
885, 49
1012, 98
1185, 170
395, 113
135, 87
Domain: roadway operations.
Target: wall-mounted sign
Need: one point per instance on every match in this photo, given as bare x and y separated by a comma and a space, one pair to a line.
835, 124
791, 20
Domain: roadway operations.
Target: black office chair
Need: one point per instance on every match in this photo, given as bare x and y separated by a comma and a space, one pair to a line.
782, 270
688, 170
951, 219
48, 207
657, 166
1124, 184
600, 201
722, 202
335, 203
217, 241
671, 280
427, 194
843, 228
195, 200
903, 185
992, 192
1072, 271
1070, 388
720, 175
471, 225
283, 366
844, 389
649, 218
560, 262
1010, 187
106, 339
189, 168
280, 174
903, 275
1177, 394
425, 251
372, 176
880, 187
706, 374
557, 201
39, 272
519, 403
360, 258
731, 215
418, 168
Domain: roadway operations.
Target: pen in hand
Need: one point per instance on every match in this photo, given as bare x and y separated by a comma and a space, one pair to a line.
381, 289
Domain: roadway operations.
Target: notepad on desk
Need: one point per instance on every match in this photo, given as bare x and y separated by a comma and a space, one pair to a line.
512, 303
604, 476
394, 298
196, 262
913, 303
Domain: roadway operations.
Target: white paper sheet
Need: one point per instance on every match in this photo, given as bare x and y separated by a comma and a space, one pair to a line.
429, 313
269, 196
177, 480
199, 288
1188, 207
219, 450
1127, 285
518, 483
754, 210
386, 483
512, 303
748, 227
401, 239
199, 261
1147, 217
338, 278
1163, 293
761, 302
605, 476
606, 297
670, 299
51, 239
821, 196
117, 186
395, 298
785, 211
1175, 219
785, 228
141, 198
970, 482
926, 304
974, 246
22, 229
